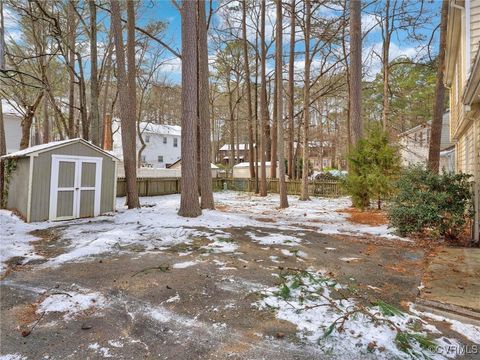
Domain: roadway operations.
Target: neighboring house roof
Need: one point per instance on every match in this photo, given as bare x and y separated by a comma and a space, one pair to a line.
161, 129
247, 164
179, 161
37, 149
415, 129
8, 108
227, 147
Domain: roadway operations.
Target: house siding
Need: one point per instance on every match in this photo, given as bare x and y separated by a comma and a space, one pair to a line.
474, 27
18, 185
42, 171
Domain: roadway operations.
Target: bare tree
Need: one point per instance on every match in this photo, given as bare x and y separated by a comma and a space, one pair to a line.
204, 112
127, 97
280, 119
263, 103
189, 205
94, 90
291, 92
249, 89
3, 144
355, 83
72, 30
438, 106
306, 102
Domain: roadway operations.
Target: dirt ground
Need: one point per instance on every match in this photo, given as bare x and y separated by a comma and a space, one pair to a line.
159, 311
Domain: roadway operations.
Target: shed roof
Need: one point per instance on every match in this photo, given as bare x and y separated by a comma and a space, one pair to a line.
37, 149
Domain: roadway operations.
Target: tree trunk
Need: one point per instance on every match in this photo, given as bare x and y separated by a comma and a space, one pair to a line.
83, 100
274, 132
71, 72
94, 92
231, 125
3, 144
291, 94
249, 90
203, 112
46, 121
355, 86
127, 101
436, 132
263, 103
386, 68
189, 205
306, 103
280, 120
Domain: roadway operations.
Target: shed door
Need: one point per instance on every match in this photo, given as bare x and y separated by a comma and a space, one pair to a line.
75, 188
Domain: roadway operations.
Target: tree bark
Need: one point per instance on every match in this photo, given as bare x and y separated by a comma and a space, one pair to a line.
189, 204
280, 121
3, 144
355, 85
386, 67
291, 94
127, 101
438, 106
71, 73
274, 131
94, 91
206, 200
27, 121
306, 103
249, 90
263, 102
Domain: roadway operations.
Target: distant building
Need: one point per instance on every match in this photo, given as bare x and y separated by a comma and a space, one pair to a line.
242, 170
162, 144
13, 127
242, 152
216, 171
414, 143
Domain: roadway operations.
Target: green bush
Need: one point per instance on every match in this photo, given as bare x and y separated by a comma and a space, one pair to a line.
431, 202
373, 166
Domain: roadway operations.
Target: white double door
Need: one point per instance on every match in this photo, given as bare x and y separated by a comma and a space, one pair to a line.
75, 187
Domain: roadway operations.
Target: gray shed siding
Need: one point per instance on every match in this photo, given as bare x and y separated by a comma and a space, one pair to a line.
42, 171
18, 187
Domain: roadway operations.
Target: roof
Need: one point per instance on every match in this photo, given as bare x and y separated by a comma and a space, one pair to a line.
416, 128
37, 149
471, 93
247, 164
161, 129
212, 165
9, 109
227, 147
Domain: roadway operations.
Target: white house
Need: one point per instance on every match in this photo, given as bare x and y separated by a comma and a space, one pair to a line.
414, 143
163, 145
13, 127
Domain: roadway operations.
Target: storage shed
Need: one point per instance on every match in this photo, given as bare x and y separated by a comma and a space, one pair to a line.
61, 180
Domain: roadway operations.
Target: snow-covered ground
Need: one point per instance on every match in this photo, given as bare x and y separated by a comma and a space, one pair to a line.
156, 225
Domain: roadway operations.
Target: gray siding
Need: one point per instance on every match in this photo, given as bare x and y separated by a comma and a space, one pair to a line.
42, 171
18, 188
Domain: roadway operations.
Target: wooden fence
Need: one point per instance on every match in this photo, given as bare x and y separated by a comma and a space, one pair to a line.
165, 186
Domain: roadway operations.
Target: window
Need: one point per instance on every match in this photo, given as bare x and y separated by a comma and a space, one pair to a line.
147, 138
175, 142
164, 139
160, 158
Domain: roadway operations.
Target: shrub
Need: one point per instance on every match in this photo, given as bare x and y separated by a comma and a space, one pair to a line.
374, 164
431, 202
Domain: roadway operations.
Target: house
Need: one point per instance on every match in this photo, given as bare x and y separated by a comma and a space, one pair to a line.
12, 121
462, 78
61, 180
242, 170
414, 143
216, 171
242, 152
162, 143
